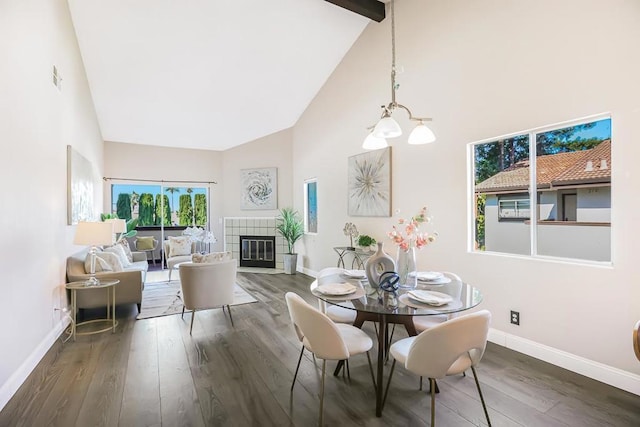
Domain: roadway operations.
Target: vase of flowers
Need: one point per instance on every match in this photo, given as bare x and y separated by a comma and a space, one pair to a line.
408, 237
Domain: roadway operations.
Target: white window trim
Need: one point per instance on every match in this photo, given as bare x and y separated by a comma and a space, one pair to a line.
533, 191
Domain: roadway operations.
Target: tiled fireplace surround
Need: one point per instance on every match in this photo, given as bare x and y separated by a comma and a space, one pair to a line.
234, 227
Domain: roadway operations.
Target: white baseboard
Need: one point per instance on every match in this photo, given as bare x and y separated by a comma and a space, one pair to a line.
14, 382
598, 371
308, 272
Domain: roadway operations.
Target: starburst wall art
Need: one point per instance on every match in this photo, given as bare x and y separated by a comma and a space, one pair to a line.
370, 183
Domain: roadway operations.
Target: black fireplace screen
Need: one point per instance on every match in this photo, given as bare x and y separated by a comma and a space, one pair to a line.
258, 251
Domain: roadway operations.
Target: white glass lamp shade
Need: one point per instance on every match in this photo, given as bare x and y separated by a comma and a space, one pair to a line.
387, 128
421, 135
374, 143
119, 225
94, 233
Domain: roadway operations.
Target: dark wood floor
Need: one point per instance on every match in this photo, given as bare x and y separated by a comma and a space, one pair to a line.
152, 373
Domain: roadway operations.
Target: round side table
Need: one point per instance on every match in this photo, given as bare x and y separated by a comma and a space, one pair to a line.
110, 287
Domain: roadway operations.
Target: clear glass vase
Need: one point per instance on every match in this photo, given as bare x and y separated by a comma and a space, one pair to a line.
406, 268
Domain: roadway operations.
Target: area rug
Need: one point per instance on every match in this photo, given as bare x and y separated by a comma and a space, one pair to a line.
163, 299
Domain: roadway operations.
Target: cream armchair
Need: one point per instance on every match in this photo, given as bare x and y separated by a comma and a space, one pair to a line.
207, 285
174, 260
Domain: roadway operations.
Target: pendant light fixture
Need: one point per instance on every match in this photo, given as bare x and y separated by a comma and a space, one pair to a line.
387, 127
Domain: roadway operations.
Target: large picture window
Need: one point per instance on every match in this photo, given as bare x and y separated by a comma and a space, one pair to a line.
156, 205
558, 205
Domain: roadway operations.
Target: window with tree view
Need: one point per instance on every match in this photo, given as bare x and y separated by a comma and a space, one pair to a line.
156, 205
559, 205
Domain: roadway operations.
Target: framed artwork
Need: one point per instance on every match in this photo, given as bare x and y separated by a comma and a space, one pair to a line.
259, 189
311, 205
79, 188
369, 183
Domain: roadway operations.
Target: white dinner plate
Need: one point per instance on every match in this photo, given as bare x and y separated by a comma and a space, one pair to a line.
430, 297
441, 281
427, 275
336, 289
355, 274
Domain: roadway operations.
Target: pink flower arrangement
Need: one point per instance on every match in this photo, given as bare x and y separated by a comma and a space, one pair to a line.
412, 237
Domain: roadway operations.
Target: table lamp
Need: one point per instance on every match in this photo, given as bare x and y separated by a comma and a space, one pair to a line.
93, 233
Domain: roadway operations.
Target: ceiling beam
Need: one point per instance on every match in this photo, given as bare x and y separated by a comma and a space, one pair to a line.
372, 9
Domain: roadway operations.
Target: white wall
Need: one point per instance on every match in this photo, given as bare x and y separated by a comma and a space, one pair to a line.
484, 69
38, 122
134, 161
271, 151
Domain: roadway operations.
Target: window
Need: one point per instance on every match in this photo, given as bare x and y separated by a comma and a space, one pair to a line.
156, 205
558, 205
311, 206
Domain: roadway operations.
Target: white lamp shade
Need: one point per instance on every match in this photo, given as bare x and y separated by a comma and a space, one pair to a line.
119, 225
374, 143
421, 135
94, 233
387, 128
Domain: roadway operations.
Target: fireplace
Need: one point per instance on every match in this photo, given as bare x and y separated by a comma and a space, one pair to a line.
258, 251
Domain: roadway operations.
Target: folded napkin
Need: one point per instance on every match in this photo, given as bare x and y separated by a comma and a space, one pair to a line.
356, 274
336, 289
430, 297
429, 276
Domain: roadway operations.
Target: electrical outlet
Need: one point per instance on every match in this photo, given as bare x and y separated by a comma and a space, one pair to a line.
515, 317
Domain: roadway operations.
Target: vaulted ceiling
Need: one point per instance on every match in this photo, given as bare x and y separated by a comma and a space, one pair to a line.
207, 74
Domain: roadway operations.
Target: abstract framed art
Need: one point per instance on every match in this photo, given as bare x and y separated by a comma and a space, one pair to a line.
369, 183
259, 189
79, 188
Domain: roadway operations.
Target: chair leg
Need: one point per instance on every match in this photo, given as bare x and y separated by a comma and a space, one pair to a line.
384, 399
373, 378
297, 367
324, 366
230, 316
484, 406
183, 311
432, 384
193, 316
420, 384
348, 371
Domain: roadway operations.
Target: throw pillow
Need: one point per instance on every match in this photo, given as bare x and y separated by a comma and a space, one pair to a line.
118, 250
111, 259
144, 243
101, 265
179, 246
127, 250
212, 257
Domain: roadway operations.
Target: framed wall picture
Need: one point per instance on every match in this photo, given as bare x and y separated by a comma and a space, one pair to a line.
259, 189
369, 183
311, 206
79, 188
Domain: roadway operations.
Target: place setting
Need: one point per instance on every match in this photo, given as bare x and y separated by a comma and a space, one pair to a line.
420, 298
431, 278
354, 274
340, 291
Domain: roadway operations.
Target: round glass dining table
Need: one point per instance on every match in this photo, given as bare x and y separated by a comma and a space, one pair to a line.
370, 304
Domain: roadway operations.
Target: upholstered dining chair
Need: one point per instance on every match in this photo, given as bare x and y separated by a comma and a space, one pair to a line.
636, 339
325, 339
453, 288
334, 312
207, 285
446, 349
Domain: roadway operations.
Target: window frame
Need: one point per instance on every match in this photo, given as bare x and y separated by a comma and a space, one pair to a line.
532, 190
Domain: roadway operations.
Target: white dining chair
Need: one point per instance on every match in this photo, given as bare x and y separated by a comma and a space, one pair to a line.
446, 349
453, 288
336, 313
207, 285
325, 339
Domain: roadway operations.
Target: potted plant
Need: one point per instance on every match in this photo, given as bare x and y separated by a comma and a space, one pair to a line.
291, 227
365, 242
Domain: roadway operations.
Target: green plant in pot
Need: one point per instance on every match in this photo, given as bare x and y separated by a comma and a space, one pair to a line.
365, 242
290, 226
131, 225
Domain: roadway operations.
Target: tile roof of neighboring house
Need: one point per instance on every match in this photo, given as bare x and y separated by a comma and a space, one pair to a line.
553, 170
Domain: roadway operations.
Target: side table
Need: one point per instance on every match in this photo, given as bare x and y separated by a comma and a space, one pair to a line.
359, 256
107, 285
